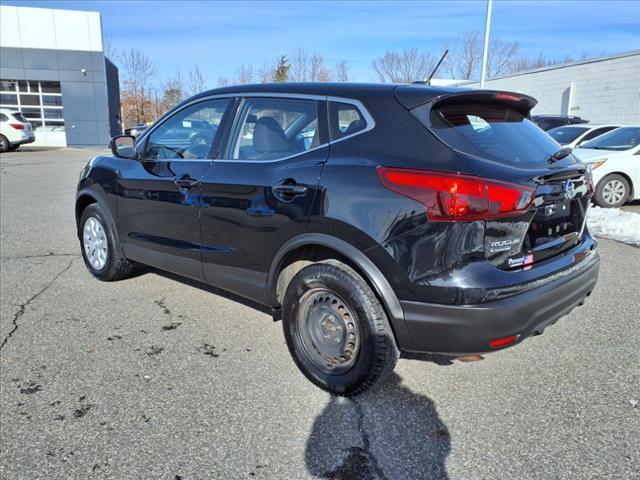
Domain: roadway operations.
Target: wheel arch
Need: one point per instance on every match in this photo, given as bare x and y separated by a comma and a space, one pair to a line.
86, 197
305, 249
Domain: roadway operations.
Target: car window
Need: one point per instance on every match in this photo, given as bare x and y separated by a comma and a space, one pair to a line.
18, 116
566, 135
272, 128
619, 139
3, 117
491, 131
189, 134
345, 119
596, 132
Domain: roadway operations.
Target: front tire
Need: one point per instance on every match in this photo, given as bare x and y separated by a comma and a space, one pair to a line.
612, 191
336, 329
101, 251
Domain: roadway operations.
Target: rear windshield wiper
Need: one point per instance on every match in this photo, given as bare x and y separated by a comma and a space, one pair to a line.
560, 154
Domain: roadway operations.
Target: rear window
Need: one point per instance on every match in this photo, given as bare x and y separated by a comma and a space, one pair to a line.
566, 135
18, 116
496, 132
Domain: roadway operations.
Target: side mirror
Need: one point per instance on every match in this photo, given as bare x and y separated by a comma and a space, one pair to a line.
123, 146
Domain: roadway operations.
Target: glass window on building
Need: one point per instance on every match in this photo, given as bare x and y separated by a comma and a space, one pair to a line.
39, 102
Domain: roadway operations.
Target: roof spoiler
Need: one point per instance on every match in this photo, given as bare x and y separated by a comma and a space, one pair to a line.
411, 96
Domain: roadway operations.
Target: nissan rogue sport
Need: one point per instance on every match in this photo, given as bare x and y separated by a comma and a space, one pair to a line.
371, 219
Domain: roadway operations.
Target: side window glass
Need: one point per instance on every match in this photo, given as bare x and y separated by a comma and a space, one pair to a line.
596, 133
345, 119
272, 128
189, 134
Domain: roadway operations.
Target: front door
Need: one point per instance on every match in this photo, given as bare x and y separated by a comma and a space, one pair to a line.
159, 195
261, 191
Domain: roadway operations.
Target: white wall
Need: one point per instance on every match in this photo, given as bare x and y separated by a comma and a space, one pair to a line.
604, 91
26, 27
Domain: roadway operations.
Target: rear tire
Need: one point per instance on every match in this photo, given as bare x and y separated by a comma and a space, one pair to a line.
101, 251
336, 329
612, 191
13, 148
4, 144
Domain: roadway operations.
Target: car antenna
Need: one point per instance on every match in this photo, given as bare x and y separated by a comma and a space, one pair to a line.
433, 72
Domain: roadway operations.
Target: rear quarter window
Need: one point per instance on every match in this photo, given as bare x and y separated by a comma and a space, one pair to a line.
345, 119
493, 131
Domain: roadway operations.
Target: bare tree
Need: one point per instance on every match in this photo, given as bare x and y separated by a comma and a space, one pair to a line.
464, 60
408, 66
500, 57
309, 67
139, 74
172, 92
197, 81
342, 71
109, 49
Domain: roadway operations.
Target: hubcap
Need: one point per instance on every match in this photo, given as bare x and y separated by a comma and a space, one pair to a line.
613, 192
328, 331
3, 143
95, 243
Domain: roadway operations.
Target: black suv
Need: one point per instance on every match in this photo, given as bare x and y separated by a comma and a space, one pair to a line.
547, 122
372, 219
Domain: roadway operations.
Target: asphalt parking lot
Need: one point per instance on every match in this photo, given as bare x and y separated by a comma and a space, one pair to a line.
159, 378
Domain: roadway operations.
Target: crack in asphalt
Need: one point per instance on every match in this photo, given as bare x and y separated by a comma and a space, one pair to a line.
23, 306
360, 463
41, 255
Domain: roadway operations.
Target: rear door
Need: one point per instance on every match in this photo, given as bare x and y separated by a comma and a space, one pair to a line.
260, 192
159, 195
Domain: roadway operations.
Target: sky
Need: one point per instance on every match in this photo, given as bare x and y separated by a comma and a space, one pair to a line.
220, 36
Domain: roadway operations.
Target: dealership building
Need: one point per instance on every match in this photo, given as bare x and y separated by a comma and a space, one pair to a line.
53, 70
601, 90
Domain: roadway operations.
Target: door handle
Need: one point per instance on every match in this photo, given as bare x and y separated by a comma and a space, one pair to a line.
186, 182
289, 190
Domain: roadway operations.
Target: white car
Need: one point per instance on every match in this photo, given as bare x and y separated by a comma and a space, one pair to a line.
575, 135
615, 163
14, 130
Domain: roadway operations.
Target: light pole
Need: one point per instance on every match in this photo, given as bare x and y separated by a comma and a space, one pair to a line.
485, 50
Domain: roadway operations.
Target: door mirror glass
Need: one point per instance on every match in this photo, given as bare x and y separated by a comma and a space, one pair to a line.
123, 146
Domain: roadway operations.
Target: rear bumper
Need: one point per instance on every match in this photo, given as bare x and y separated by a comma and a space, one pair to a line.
467, 329
24, 141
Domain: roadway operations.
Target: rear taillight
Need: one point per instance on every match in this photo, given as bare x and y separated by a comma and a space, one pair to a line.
17, 126
455, 197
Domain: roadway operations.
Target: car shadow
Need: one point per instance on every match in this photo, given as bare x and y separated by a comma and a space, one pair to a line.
387, 433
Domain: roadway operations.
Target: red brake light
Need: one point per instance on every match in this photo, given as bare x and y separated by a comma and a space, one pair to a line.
509, 97
458, 198
17, 126
502, 341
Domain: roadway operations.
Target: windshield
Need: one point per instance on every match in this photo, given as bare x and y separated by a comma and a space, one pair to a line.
619, 139
566, 135
493, 131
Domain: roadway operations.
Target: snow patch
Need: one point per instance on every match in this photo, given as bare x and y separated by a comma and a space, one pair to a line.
615, 224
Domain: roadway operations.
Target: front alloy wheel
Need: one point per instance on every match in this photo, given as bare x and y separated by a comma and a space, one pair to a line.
612, 191
95, 244
101, 251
